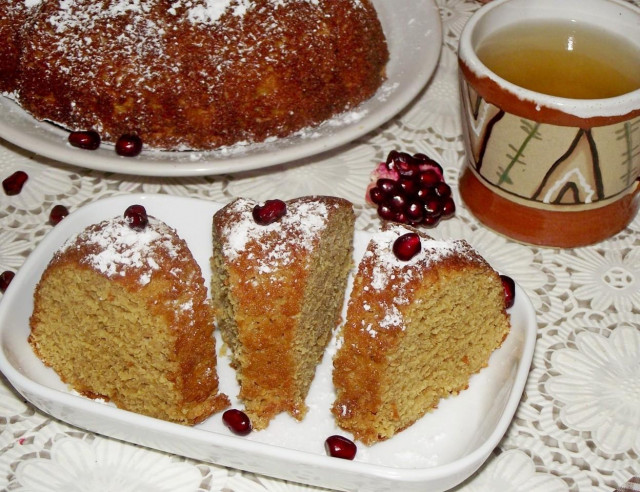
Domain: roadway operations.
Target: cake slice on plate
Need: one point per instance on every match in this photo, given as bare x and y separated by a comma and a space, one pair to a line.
423, 316
279, 272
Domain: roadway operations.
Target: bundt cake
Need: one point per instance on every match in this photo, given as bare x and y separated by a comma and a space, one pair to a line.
279, 273
195, 74
423, 316
122, 313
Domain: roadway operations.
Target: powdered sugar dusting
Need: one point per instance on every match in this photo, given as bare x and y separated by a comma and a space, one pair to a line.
301, 224
387, 266
391, 280
119, 250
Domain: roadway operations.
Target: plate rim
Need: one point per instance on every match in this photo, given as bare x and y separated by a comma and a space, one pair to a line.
282, 151
466, 464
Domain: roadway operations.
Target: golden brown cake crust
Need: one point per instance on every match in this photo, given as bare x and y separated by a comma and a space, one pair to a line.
182, 76
278, 291
415, 332
135, 304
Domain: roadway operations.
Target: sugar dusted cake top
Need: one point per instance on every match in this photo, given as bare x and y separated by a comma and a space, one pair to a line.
115, 250
392, 279
276, 244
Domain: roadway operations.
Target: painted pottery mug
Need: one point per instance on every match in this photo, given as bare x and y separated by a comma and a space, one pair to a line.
547, 169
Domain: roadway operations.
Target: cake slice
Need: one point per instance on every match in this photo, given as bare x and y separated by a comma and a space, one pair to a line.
279, 273
423, 316
122, 313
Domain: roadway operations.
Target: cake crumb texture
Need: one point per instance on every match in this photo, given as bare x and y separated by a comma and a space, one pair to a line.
415, 333
124, 316
278, 292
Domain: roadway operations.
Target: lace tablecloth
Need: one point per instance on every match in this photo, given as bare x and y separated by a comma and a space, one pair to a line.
578, 424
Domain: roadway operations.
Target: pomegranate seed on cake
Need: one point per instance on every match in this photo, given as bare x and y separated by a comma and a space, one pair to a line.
123, 314
420, 321
191, 75
278, 289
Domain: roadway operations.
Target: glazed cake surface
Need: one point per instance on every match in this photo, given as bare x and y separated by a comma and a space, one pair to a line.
190, 75
278, 292
124, 315
415, 332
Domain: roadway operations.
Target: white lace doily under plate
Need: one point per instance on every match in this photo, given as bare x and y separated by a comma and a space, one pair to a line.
577, 425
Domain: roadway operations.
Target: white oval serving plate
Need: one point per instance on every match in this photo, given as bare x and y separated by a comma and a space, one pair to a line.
439, 451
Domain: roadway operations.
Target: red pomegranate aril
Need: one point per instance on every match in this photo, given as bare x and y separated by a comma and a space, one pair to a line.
509, 287
397, 202
407, 246
340, 447
401, 217
136, 217
5, 279
385, 212
409, 186
14, 183
58, 212
391, 156
88, 140
406, 166
443, 190
269, 212
431, 220
129, 145
433, 207
388, 186
237, 421
376, 195
448, 207
415, 212
429, 178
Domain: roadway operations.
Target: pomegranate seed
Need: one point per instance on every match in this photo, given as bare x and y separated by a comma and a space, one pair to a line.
269, 212
392, 156
407, 246
58, 212
429, 178
398, 202
385, 212
433, 207
442, 189
388, 186
401, 217
88, 140
415, 212
376, 195
136, 217
340, 447
448, 208
409, 186
237, 421
406, 165
5, 279
509, 290
14, 183
129, 145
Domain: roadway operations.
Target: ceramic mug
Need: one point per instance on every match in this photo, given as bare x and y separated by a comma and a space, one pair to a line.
542, 169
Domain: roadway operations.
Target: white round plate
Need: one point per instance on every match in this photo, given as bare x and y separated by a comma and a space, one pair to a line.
414, 36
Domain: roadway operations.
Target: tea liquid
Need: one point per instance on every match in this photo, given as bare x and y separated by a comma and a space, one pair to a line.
564, 59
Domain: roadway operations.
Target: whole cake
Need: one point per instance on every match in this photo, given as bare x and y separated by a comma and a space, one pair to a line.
195, 74
122, 313
423, 316
279, 274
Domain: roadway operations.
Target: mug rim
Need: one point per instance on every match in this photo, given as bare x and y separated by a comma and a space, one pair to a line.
623, 105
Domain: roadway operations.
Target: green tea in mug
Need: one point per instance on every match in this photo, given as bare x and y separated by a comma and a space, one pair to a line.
562, 58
